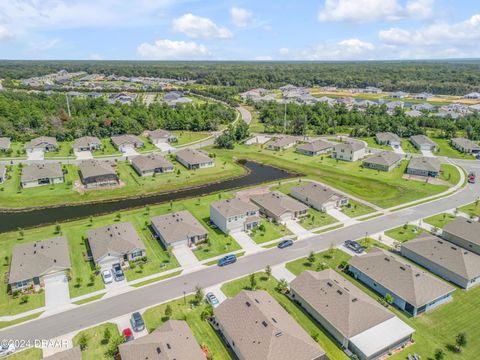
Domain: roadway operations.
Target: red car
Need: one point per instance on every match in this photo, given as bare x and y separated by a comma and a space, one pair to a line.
127, 334
471, 178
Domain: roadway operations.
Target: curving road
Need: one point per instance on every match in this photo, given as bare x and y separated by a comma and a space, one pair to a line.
103, 310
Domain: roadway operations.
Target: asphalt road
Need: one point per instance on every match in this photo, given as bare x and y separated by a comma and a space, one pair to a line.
103, 310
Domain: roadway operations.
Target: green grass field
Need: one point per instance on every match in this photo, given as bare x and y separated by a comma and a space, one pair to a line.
316, 219
408, 147
472, 209
186, 137
372, 143
272, 232
28, 354
384, 189
449, 173
96, 343
64, 151
355, 209
445, 149
17, 150
107, 149
404, 233
439, 220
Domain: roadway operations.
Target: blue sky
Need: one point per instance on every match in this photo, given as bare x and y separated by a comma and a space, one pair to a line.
239, 30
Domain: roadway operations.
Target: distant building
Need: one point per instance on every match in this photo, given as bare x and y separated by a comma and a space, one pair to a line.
424, 166
42, 143
399, 95
413, 290
315, 148
355, 320
279, 207
465, 145
473, 96
318, 196
194, 159
87, 143
147, 165
281, 143
422, 142
234, 215
41, 174
371, 90
445, 259
255, 326
350, 151
98, 174
383, 161
160, 136
4, 143
388, 138
423, 96
463, 232
423, 107
125, 142
414, 113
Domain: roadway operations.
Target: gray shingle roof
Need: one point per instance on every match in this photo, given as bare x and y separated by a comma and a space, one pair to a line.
178, 226
119, 238
422, 139
282, 141
343, 305
262, 329
159, 134
119, 140
37, 258
466, 143
464, 228
316, 192
233, 207
315, 146
400, 277
172, 340
151, 162
41, 140
387, 136
4, 143
424, 164
445, 254
350, 146
86, 141
278, 203
385, 158
93, 168
34, 172
193, 157
70, 354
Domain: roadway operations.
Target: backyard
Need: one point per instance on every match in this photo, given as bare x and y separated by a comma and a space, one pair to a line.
96, 344
372, 143
186, 137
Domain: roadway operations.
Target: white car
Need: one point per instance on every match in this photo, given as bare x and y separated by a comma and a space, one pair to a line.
107, 276
7, 349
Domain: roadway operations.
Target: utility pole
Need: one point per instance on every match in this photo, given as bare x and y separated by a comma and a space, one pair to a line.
68, 105
285, 120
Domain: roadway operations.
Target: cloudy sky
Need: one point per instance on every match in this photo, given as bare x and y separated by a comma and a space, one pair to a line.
239, 30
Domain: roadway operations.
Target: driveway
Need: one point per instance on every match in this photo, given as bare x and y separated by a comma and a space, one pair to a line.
56, 290
217, 291
130, 152
83, 155
340, 216
185, 256
398, 150
281, 272
123, 322
165, 147
297, 229
245, 241
35, 155
427, 153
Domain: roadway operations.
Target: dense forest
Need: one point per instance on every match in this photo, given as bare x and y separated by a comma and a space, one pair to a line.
322, 119
26, 115
440, 77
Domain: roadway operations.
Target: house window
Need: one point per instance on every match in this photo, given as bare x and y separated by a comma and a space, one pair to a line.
137, 254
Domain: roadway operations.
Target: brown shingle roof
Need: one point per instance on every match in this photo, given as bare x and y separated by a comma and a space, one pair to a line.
466, 143
41, 140
282, 141
233, 207
387, 137
464, 228
262, 329
35, 172
151, 162
86, 141
278, 203
193, 157
384, 158
119, 140
70, 354
315, 146
349, 146
424, 164
178, 226
93, 168
316, 192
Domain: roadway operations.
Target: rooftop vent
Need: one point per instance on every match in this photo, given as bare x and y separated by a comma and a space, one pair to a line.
340, 292
158, 350
264, 323
278, 334
247, 303
387, 259
402, 268
329, 284
168, 346
354, 300
274, 320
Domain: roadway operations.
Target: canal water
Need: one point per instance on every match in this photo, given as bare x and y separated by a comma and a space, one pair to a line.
257, 174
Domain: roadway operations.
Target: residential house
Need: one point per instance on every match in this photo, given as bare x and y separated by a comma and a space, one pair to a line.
115, 243
279, 207
122, 98
355, 320
465, 145
41, 174
147, 165
255, 326
318, 196
4, 143
383, 161
388, 138
234, 215
399, 95
281, 143
32, 262
423, 107
371, 90
424, 166
42, 143
412, 289
473, 96
126, 142
179, 228
349, 151
160, 136
315, 148
87, 143
423, 96
414, 113
172, 340
3, 173
71, 354
194, 159
422, 142
391, 106
98, 174
445, 259
463, 232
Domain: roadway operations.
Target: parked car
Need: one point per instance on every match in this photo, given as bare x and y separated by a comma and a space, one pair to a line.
471, 178
354, 246
137, 322
107, 276
285, 243
226, 260
118, 272
212, 299
6, 349
127, 335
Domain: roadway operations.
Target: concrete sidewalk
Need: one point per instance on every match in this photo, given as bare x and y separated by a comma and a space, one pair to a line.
297, 229
245, 241
281, 272
340, 216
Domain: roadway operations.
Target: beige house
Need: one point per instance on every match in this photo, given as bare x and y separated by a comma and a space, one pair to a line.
318, 196
126, 142
279, 207
98, 174
3, 173
350, 151
424, 166
465, 145
147, 165
463, 232
388, 138
383, 161
315, 148
281, 143
172, 340
355, 320
87, 143
256, 327
41, 174
42, 143
194, 159
32, 262
160, 136
179, 228
445, 259
234, 215
422, 142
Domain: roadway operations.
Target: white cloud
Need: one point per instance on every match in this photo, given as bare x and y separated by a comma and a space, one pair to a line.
199, 27
5, 33
284, 51
96, 56
362, 11
240, 17
165, 49
356, 46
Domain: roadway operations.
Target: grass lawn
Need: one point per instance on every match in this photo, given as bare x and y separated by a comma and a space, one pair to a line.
403, 234
96, 344
445, 149
28, 354
440, 220
203, 332
316, 219
272, 232
16, 150
408, 147
255, 125
330, 258
384, 189
186, 137
64, 150
330, 228
160, 278
4, 324
355, 208
372, 143
472, 209
147, 146
13, 196
304, 320
107, 149
449, 173
90, 299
